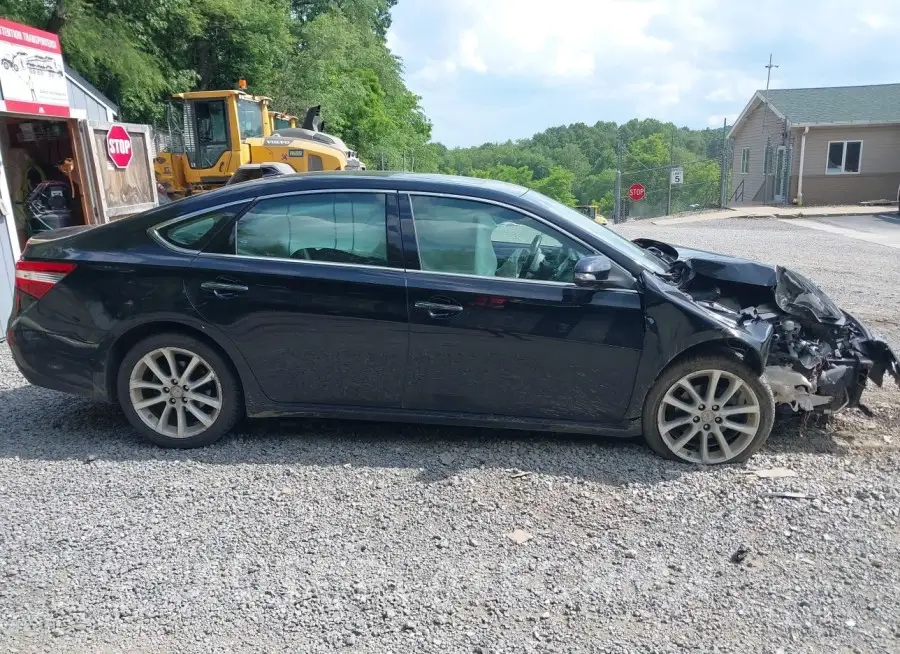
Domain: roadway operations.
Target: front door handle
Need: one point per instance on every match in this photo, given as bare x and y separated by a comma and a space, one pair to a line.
223, 289
439, 309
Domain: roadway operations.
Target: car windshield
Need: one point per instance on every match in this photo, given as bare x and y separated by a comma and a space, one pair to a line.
609, 237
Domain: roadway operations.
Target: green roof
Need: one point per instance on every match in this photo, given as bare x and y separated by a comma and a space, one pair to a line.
879, 103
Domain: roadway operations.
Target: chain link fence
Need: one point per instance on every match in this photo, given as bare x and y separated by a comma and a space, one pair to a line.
387, 160
691, 186
684, 185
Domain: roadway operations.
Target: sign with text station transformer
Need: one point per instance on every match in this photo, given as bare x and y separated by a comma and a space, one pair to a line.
32, 76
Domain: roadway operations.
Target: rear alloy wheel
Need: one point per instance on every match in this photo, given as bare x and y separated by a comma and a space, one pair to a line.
708, 410
178, 392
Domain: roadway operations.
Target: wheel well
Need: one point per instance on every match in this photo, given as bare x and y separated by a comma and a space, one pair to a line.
135, 335
734, 348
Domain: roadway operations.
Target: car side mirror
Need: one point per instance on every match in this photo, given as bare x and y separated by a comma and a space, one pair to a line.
593, 271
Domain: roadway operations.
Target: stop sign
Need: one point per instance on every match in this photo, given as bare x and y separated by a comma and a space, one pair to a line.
118, 145
637, 192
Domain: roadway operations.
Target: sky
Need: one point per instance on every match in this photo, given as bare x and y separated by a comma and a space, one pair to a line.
492, 70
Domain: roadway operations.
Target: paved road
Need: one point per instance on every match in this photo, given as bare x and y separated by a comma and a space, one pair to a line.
881, 228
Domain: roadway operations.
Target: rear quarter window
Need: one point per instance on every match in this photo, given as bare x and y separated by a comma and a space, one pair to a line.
194, 233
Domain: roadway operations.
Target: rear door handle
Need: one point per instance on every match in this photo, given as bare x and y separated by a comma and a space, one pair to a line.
223, 289
438, 309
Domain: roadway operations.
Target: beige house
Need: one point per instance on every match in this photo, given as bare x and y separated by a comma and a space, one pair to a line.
838, 145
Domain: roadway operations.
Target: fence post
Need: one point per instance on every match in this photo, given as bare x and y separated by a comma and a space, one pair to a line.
617, 209
669, 180
723, 175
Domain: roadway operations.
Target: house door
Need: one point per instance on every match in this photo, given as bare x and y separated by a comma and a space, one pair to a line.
780, 168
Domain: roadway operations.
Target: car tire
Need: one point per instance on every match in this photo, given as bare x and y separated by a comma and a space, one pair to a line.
204, 404
679, 419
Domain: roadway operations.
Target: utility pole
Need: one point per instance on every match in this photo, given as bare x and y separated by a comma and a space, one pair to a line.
723, 180
671, 161
767, 157
768, 81
404, 161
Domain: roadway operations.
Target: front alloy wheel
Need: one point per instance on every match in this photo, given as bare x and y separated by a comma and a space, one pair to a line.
710, 410
178, 391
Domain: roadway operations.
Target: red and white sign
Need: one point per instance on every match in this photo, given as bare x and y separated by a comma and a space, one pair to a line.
32, 76
637, 192
118, 145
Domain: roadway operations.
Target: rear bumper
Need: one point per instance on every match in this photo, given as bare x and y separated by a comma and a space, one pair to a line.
49, 361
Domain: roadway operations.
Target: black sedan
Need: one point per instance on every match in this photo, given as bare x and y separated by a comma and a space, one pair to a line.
429, 299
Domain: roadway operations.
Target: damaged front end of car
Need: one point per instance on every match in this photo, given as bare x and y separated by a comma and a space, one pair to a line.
820, 358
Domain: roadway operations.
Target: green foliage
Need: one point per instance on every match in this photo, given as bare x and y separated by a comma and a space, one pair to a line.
300, 52
523, 176
558, 185
606, 203
576, 164
345, 67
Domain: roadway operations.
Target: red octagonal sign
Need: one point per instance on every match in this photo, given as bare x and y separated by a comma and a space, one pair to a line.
118, 145
637, 192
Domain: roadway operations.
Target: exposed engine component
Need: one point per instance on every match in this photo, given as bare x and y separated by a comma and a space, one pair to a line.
819, 357
792, 388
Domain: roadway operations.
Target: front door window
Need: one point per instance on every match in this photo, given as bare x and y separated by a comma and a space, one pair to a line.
474, 238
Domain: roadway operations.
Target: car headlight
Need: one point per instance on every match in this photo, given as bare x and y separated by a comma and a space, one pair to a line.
798, 296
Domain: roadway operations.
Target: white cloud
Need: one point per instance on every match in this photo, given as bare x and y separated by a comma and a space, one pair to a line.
681, 60
434, 71
468, 57
566, 38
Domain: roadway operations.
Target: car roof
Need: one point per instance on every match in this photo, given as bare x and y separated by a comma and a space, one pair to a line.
356, 179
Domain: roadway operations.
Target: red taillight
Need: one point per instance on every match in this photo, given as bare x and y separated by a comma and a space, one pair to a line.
36, 278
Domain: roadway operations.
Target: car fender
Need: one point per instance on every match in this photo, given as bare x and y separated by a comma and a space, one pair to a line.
675, 325
188, 320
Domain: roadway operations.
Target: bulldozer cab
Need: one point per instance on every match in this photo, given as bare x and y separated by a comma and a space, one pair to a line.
281, 121
208, 130
210, 134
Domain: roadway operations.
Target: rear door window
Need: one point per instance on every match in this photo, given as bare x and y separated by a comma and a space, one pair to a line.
328, 227
194, 233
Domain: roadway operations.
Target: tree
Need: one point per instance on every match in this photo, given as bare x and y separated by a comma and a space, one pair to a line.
345, 67
521, 176
558, 185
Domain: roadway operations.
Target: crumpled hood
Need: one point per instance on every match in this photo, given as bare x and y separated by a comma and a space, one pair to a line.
713, 264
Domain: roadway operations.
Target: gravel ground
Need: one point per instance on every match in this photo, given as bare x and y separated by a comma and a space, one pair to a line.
328, 537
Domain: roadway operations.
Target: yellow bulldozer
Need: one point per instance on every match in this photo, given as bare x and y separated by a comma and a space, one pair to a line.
210, 134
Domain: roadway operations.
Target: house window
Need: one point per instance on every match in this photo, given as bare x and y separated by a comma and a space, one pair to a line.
843, 157
745, 161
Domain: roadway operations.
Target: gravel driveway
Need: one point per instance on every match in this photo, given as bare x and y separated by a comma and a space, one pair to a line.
322, 536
